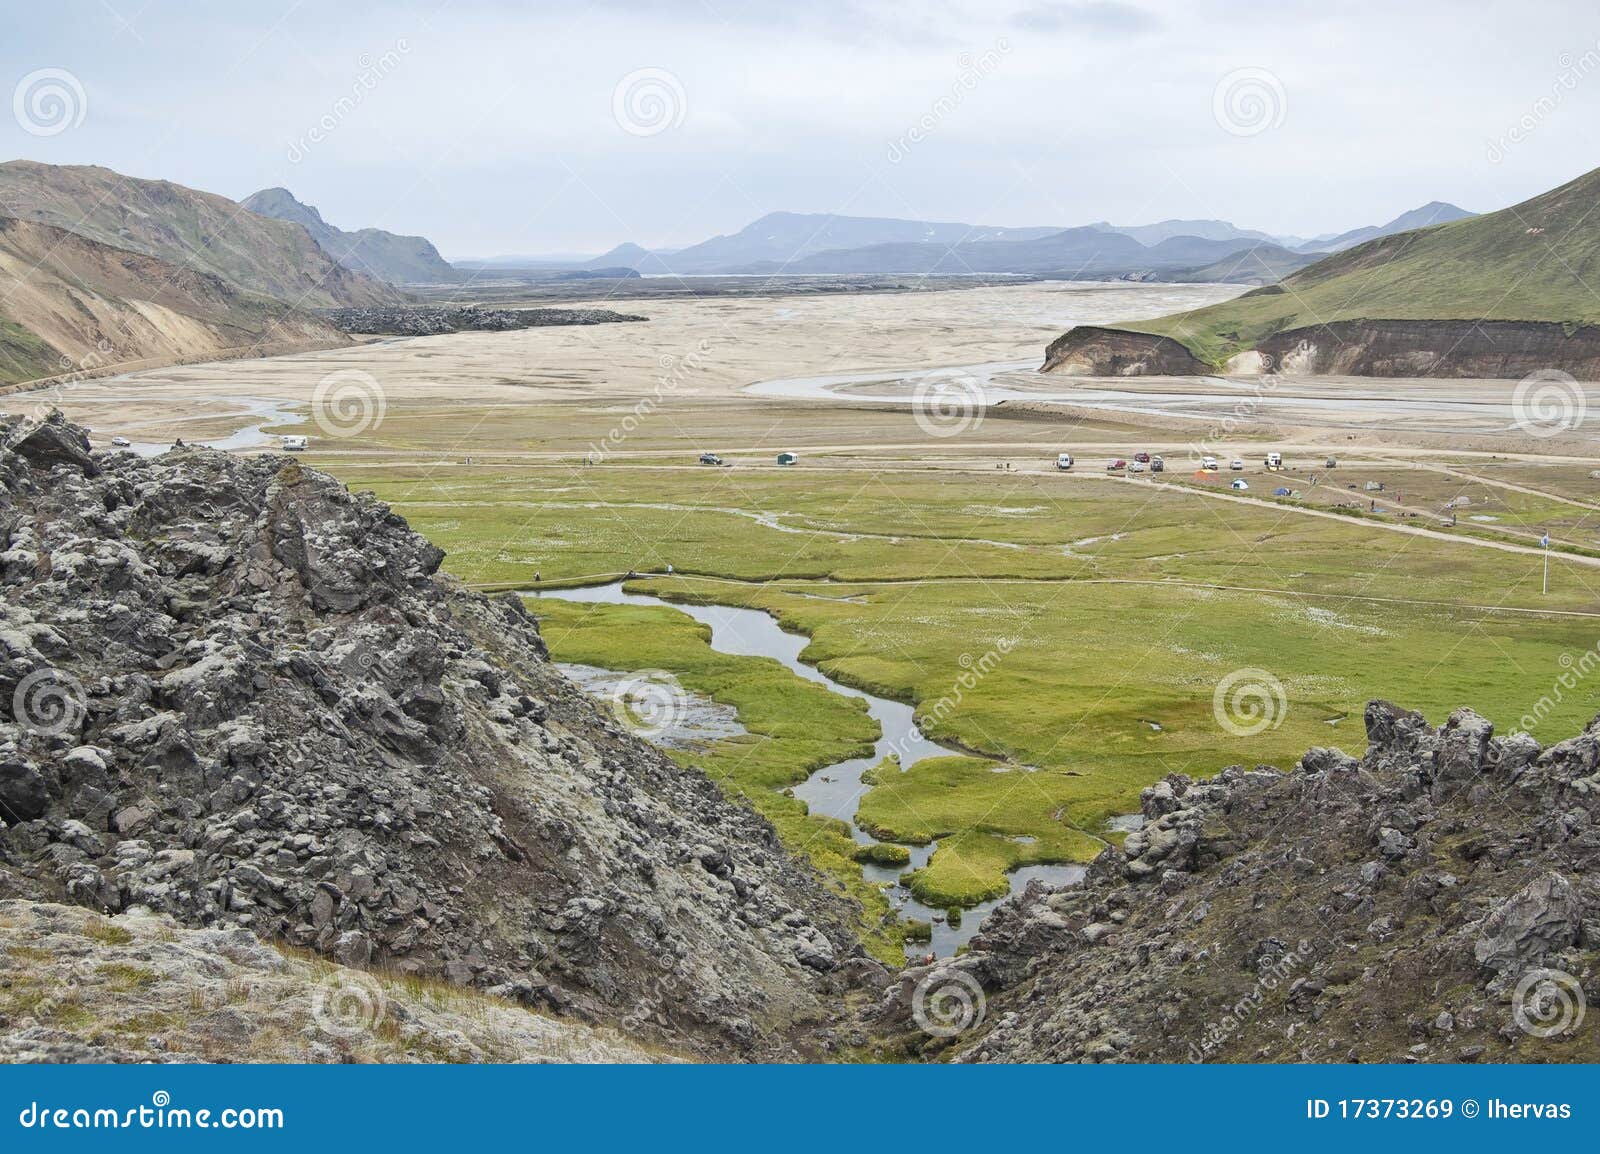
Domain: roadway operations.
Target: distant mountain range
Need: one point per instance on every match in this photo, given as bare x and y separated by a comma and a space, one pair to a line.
384, 255
820, 243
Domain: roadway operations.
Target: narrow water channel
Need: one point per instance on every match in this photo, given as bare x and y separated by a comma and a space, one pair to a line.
835, 790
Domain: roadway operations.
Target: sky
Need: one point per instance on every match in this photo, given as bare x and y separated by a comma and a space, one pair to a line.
565, 128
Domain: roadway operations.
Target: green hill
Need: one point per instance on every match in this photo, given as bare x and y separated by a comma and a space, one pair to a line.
1536, 261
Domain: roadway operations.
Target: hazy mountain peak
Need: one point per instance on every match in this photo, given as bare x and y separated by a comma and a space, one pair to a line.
385, 255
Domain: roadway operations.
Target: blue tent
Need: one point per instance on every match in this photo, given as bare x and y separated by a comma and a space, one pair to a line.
1280, 491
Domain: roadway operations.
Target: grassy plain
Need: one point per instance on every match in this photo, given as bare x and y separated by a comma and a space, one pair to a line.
1115, 609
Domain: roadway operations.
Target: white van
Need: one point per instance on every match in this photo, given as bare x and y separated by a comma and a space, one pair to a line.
1208, 464
1063, 461
1274, 461
294, 444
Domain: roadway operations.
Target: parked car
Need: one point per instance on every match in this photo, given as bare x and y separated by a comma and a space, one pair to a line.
1331, 463
1208, 464
121, 442
1236, 465
1142, 458
1157, 465
1137, 467
1274, 461
1116, 466
710, 459
1063, 461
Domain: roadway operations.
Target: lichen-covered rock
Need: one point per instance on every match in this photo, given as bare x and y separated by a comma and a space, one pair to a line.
138, 987
236, 694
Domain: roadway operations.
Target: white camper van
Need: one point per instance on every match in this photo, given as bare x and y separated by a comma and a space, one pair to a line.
1063, 461
294, 444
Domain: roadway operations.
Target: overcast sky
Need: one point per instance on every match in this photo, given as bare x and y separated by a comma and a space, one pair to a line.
497, 127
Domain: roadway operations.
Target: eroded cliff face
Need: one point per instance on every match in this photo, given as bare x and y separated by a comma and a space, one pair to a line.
1090, 351
1436, 900
1367, 348
233, 693
1488, 349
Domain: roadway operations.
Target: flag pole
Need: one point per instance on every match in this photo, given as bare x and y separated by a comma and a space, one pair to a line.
1545, 588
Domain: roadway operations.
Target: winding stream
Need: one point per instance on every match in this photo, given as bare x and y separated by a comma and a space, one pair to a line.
835, 790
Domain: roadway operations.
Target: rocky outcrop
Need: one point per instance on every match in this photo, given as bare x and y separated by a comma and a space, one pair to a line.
1436, 900
78, 987
422, 321
1091, 351
234, 694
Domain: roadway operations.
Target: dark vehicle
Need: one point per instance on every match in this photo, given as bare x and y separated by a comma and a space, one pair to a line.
1157, 465
711, 459
1142, 458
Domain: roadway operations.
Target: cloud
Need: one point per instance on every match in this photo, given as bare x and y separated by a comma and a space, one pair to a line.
1096, 17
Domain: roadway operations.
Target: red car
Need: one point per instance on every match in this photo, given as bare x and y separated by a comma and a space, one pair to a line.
1142, 458
1113, 466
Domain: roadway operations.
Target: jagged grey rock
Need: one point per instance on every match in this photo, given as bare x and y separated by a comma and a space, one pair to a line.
236, 694
1392, 908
